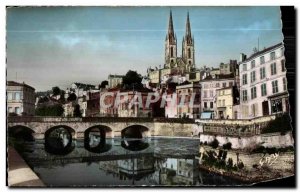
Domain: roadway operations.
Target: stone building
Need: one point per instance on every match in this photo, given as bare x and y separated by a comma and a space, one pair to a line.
115, 80
124, 109
226, 99
209, 87
190, 106
174, 64
20, 98
263, 83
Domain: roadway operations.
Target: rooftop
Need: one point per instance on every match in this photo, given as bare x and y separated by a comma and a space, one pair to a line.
263, 51
13, 83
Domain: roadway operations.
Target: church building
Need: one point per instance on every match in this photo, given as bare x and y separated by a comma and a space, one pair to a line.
175, 65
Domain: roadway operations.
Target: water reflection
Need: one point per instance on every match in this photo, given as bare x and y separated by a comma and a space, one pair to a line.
96, 144
134, 144
123, 167
59, 142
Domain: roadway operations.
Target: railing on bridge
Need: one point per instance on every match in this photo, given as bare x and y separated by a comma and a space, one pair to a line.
96, 119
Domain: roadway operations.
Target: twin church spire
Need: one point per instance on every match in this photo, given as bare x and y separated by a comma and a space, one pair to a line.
187, 61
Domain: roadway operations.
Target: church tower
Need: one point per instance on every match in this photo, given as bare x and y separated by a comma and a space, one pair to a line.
170, 45
188, 51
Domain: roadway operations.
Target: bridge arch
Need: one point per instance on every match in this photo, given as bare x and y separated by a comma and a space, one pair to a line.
95, 138
21, 132
135, 131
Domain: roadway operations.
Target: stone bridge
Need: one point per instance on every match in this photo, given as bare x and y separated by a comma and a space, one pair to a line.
112, 126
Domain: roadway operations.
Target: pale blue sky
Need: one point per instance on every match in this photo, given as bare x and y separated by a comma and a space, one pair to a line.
60, 45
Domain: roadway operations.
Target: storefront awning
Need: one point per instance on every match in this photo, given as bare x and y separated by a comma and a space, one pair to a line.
206, 115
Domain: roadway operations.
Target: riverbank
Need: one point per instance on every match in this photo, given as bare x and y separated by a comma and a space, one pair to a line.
248, 177
248, 167
19, 173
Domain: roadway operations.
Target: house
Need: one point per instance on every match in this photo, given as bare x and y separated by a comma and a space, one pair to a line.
20, 98
263, 83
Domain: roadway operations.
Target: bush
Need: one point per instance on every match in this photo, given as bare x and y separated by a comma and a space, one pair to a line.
227, 146
214, 144
280, 124
255, 166
240, 165
229, 163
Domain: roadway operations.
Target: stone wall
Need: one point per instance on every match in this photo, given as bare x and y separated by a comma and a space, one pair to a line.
282, 161
173, 129
266, 140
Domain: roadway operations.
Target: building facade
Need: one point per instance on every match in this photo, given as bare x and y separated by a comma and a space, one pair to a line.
263, 83
209, 87
174, 64
225, 102
188, 101
20, 98
115, 80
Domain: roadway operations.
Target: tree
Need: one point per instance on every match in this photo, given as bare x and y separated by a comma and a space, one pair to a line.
55, 90
132, 79
103, 84
54, 110
77, 112
72, 97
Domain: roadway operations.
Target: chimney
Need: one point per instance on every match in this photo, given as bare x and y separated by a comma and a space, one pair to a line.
243, 57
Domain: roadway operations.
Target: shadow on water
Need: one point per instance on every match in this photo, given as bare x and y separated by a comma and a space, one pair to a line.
59, 142
134, 144
100, 147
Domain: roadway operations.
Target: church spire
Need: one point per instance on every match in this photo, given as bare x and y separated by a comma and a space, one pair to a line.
171, 34
188, 26
188, 33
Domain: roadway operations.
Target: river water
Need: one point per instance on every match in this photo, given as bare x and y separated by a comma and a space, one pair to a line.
118, 162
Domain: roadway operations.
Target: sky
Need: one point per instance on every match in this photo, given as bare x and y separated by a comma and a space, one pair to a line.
56, 46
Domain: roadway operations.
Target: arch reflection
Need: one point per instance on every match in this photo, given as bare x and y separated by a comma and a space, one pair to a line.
58, 141
95, 140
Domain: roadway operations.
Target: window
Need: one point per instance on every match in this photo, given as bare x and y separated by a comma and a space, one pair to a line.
252, 76
244, 67
171, 52
276, 105
218, 85
17, 110
17, 96
282, 51
223, 103
253, 92
224, 84
272, 55
10, 109
262, 60
252, 64
205, 94
9, 95
244, 95
262, 73
230, 84
273, 68
275, 86
284, 84
211, 93
219, 103
211, 105
282, 65
205, 105
244, 79
189, 53
263, 89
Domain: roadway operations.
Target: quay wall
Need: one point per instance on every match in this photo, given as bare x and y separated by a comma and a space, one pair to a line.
266, 140
283, 161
